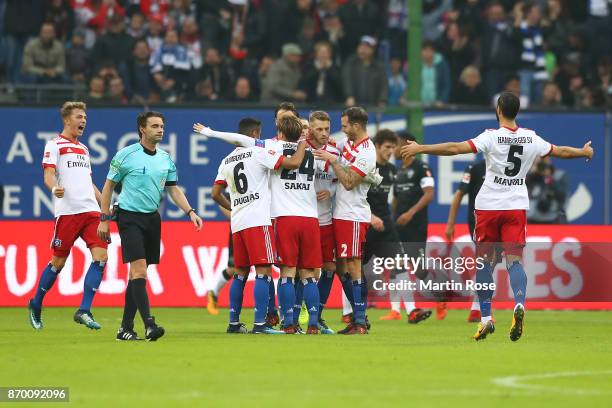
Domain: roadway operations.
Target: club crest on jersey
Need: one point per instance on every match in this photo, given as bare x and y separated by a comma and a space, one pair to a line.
115, 165
56, 243
47, 155
362, 163
410, 173
271, 152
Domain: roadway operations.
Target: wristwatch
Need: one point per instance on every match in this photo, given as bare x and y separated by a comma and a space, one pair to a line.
191, 210
105, 217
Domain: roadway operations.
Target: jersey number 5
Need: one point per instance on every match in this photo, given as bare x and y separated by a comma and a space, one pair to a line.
516, 161
307, 166
240, 179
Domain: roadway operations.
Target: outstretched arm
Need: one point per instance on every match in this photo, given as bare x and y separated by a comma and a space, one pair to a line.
347, 177
567, 152
440, 149
232, 138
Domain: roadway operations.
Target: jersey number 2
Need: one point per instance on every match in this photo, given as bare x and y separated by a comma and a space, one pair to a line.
307, 166
516, 161
240, 179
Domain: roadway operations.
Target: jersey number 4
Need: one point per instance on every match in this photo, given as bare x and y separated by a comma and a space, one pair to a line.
307, 166
516, 161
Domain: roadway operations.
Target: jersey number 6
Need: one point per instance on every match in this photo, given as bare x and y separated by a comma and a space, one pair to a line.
240, 179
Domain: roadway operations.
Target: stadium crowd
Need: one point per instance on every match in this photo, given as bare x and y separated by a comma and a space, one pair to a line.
555, 53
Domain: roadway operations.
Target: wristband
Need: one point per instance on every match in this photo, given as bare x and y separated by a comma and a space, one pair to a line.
189, 212
105, 217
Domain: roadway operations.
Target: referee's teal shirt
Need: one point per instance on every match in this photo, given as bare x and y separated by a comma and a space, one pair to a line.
143, 175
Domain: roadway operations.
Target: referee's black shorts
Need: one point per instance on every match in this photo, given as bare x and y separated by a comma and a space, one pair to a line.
140, 236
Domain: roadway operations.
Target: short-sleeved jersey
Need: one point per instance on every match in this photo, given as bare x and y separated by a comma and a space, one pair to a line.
509, 154
73, 171
408, 190
143, 175
378, 196
352, 205
325, 179
246, 172
472, 180
293, 191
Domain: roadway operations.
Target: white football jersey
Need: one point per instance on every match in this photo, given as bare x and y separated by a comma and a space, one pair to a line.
73, 170
361, 158
325, 179
293, 191
246, 172
509, 154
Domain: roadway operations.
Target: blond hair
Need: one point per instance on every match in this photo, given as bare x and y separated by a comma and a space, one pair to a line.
319, 115
69, 106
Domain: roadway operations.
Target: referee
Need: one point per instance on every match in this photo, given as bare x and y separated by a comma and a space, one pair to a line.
144, 170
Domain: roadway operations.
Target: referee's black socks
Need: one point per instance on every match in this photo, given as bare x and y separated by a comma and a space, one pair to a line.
129, 309
139, 292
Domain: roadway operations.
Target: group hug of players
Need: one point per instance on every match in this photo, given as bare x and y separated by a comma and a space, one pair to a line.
305, 268
300, 201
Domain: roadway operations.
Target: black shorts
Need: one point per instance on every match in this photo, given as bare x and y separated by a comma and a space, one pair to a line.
140, 236
375, 242
414, 238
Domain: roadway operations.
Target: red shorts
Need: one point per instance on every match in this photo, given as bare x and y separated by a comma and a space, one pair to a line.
69, 227
254, 246
506, 227
350, 236
298, 241
328, 243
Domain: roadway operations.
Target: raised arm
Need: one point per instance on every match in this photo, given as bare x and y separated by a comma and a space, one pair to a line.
567, 152
295, 161
232, 138
440, 149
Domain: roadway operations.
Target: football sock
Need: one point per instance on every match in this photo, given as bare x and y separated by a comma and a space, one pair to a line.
235, 297
222, 279
518, 281
47, 279
364, 292
485, 275
286, 300
139, 291
261, 292
358, 303
272, 297
93, 278
129, 309
325, 284
280, 308
312, 299
299, 298
347, 287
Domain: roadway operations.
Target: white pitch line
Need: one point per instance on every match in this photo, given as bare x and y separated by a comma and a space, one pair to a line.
516, 381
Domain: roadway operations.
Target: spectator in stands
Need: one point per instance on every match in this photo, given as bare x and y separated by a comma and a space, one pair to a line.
569, 78
215, 24
305, 38
557, 27
217, 73
532, 70
333, 33
257, 72
433, 14
180, 11
296, 14
116, 92
513, 85
604, 79
547, 189
322, 82
22, 19
591, 97
61, 15
115, 46
44, 60
435, 85
359, 18
154, 7
364, 77
397, 83
155, 34
171, 68
397, 14
137, 27
455, 47
253, 37
78, 59
281, 81
551, 96
97, 13
204, 92
497, 49
242, 91
97, 90
140, 81
190, 39
470, 90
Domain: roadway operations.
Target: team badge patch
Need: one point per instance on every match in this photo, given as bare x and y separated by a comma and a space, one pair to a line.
272, 152
56, 243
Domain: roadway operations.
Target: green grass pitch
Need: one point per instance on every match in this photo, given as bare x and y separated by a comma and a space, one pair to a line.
564, 359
